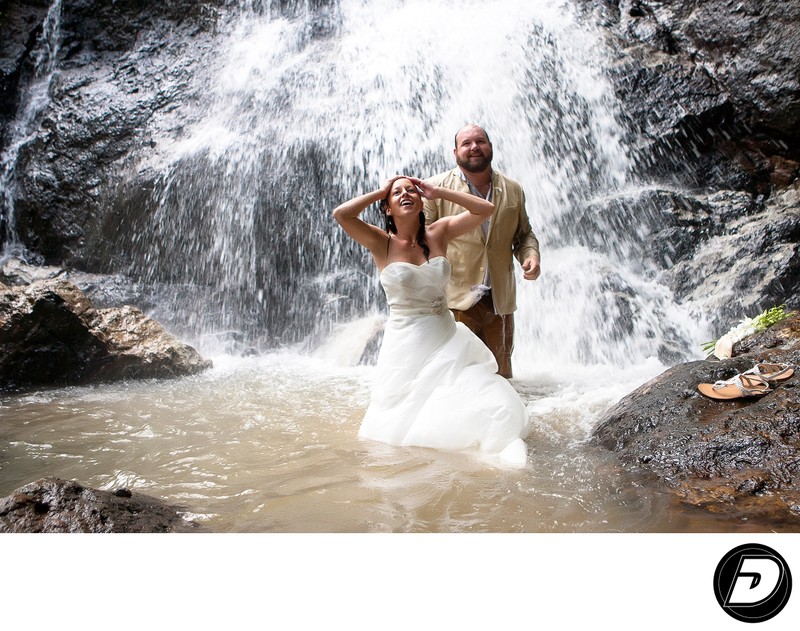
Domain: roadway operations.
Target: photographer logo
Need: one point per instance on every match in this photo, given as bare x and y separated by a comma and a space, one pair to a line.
752, 583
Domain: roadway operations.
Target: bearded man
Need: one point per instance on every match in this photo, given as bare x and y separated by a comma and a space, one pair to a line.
482, 288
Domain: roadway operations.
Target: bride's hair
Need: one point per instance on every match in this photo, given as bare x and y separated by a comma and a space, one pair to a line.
391, 227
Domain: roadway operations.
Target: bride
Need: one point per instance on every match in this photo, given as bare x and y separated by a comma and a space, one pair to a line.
435, 381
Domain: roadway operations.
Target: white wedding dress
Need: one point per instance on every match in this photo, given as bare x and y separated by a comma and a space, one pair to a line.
435, 383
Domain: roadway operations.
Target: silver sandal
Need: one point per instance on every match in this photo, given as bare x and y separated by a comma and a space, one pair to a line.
771, 372
737, 387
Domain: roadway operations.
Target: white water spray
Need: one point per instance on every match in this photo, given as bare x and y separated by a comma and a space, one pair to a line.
35, 97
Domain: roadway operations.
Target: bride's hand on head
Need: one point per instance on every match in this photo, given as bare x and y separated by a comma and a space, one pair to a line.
387, 185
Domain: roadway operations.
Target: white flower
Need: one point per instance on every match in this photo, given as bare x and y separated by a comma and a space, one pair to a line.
742, 330
723, 347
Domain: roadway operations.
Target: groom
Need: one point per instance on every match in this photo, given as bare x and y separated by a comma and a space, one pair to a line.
482, 289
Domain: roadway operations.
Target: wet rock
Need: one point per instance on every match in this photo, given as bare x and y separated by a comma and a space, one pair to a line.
60, 506
739, 457
50, 334
122, 67
752, 265
103, 290
15, 272
20, 23
729, 253
712, 88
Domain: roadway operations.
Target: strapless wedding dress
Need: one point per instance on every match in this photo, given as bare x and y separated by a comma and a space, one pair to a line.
435, 383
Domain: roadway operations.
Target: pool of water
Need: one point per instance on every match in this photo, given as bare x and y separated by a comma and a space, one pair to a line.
270, 444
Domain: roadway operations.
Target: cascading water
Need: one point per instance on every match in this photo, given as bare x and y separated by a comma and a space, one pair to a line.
229, 222
305, 112
35, 96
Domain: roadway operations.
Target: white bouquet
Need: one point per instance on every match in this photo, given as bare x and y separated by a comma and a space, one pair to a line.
723, 347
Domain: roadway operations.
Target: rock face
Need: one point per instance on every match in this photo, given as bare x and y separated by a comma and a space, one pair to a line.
712, 88
61, 506
728, 253
50, 334
740, 457
119, 65
711, 95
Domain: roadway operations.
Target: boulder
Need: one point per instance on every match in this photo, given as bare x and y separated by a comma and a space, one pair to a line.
60, 506
738, 457
50, 334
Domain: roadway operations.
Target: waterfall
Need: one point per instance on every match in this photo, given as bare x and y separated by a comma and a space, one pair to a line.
35, 96
307, 105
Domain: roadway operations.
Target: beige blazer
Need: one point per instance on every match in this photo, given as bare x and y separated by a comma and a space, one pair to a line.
510, 235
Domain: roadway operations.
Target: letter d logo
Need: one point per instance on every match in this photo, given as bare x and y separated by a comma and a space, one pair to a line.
752, 583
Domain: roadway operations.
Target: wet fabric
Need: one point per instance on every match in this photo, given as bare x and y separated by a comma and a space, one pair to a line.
435, 383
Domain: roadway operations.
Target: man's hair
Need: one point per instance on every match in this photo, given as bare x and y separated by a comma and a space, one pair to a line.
485, 133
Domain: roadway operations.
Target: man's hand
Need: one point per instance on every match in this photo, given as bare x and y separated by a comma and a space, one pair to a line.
531, 269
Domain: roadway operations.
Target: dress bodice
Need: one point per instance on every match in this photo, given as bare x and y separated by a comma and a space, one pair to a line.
416, 289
